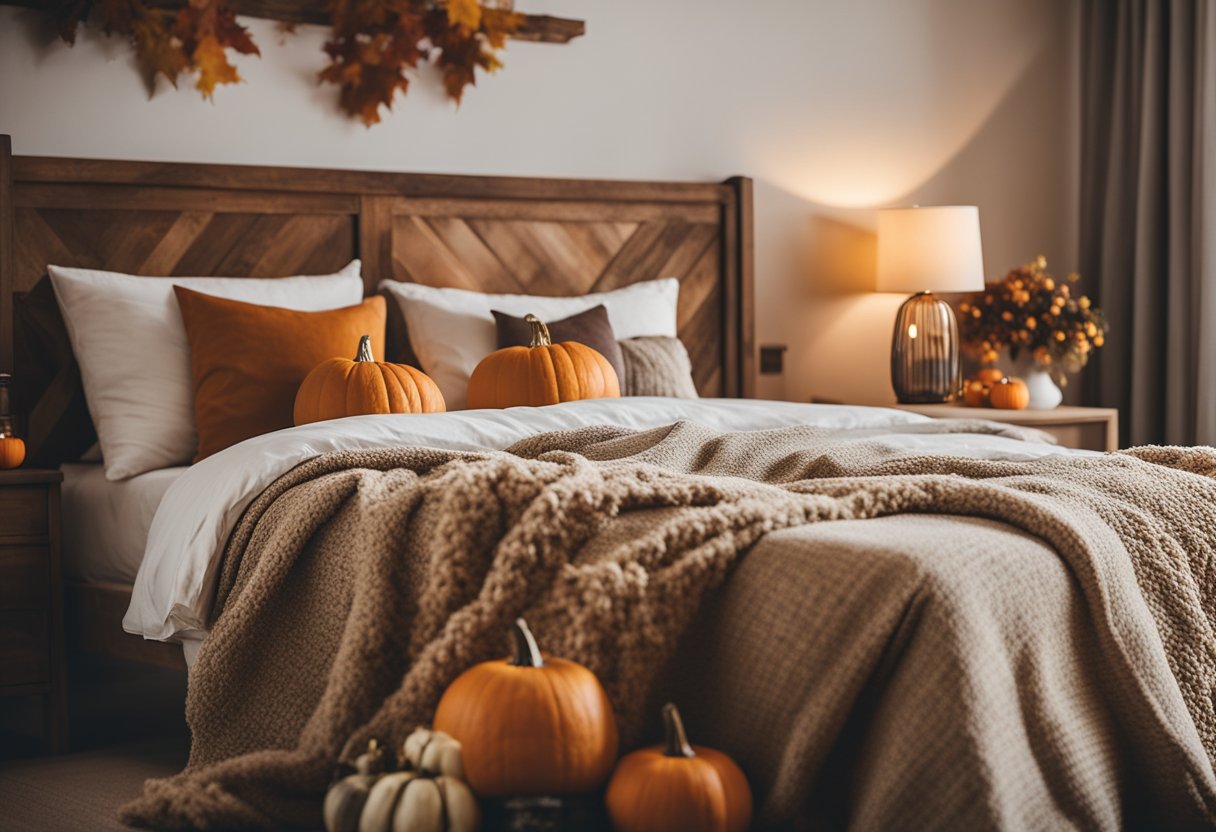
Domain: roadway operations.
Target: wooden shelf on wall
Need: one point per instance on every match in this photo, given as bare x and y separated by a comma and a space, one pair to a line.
540, 28
545, 29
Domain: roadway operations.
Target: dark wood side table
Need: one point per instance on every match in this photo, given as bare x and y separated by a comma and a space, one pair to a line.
31, 597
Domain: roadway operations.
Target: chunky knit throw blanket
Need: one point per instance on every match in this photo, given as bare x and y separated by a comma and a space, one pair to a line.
361, 583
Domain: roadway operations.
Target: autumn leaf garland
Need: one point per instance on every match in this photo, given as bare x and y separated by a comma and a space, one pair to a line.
193, 39
374, 43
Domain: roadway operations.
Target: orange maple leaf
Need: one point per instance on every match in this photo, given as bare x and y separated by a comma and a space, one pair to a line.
373, 45
158, 50
232, 34
465, 14
117, 15
206, 29
498, 24
70, 14
212, 64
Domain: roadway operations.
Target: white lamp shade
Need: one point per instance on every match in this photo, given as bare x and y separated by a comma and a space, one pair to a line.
933, 249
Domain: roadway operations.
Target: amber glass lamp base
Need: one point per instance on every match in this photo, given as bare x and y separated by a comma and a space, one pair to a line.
924, 351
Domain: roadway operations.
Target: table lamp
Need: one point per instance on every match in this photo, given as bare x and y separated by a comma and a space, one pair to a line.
927, 250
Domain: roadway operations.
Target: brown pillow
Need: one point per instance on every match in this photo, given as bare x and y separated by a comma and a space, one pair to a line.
590, 327
247, 361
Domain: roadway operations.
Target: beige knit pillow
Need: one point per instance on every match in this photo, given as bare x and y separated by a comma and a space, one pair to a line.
657, 366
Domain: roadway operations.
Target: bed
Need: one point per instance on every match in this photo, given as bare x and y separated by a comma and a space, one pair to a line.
563, 237
935, 624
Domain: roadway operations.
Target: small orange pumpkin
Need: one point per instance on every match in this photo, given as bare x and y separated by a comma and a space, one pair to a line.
12, 449
530, 726
677, 786
340, 387
1009, 394
989, 376
542, 373
12, 452
975, 393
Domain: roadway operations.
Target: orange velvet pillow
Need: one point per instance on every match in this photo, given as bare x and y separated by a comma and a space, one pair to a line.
247, 361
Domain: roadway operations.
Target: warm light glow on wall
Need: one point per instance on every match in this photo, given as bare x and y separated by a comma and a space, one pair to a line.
836, 152
858, 171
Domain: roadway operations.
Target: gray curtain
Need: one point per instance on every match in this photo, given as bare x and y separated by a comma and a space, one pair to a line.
1148, 212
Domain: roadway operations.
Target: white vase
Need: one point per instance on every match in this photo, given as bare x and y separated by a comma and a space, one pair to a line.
1045, 394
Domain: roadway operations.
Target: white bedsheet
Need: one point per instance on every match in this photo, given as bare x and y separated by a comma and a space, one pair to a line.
105, 524
176, 581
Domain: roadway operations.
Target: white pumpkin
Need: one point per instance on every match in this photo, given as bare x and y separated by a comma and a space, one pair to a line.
406, 801
434, 752
345, 799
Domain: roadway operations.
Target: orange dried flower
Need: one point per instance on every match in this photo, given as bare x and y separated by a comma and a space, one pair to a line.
1031, 310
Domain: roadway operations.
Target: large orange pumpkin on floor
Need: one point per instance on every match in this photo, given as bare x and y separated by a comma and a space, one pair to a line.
542, 373
340, 387
530, 725
677, 787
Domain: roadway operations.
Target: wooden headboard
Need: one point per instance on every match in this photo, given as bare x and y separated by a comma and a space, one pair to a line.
491, 234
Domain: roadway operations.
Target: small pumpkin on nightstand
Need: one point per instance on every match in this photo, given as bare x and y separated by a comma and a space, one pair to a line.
542, 373
1009, 394
12, 452
341, 387
12, 447
975, 393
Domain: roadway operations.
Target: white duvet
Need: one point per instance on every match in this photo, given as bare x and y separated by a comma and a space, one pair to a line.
176, 580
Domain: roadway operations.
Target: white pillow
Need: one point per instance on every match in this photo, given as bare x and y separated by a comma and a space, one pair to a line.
129, 339
451, 330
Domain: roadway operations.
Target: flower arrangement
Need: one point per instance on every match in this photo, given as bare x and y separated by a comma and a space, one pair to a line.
1029, 310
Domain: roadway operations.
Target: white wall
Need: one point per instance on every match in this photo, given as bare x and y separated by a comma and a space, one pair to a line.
834, 107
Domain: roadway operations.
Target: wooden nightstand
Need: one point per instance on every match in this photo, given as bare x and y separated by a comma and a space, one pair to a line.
31, 596
1088, 428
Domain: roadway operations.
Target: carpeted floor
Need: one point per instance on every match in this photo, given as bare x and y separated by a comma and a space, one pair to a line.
126, 725
82, 791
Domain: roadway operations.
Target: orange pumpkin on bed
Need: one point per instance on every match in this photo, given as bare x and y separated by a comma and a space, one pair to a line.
341, 387
542, 373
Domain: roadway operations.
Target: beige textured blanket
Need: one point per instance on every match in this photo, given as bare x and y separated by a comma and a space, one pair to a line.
908, 672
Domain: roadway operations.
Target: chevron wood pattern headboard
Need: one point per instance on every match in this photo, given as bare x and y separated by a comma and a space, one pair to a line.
491, 234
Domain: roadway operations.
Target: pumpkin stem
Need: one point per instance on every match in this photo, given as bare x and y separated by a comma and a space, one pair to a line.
677, 741
527, 653
365, 349
372, 760
540, 332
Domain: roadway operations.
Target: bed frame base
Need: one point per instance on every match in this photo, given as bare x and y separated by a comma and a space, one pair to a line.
94, 625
